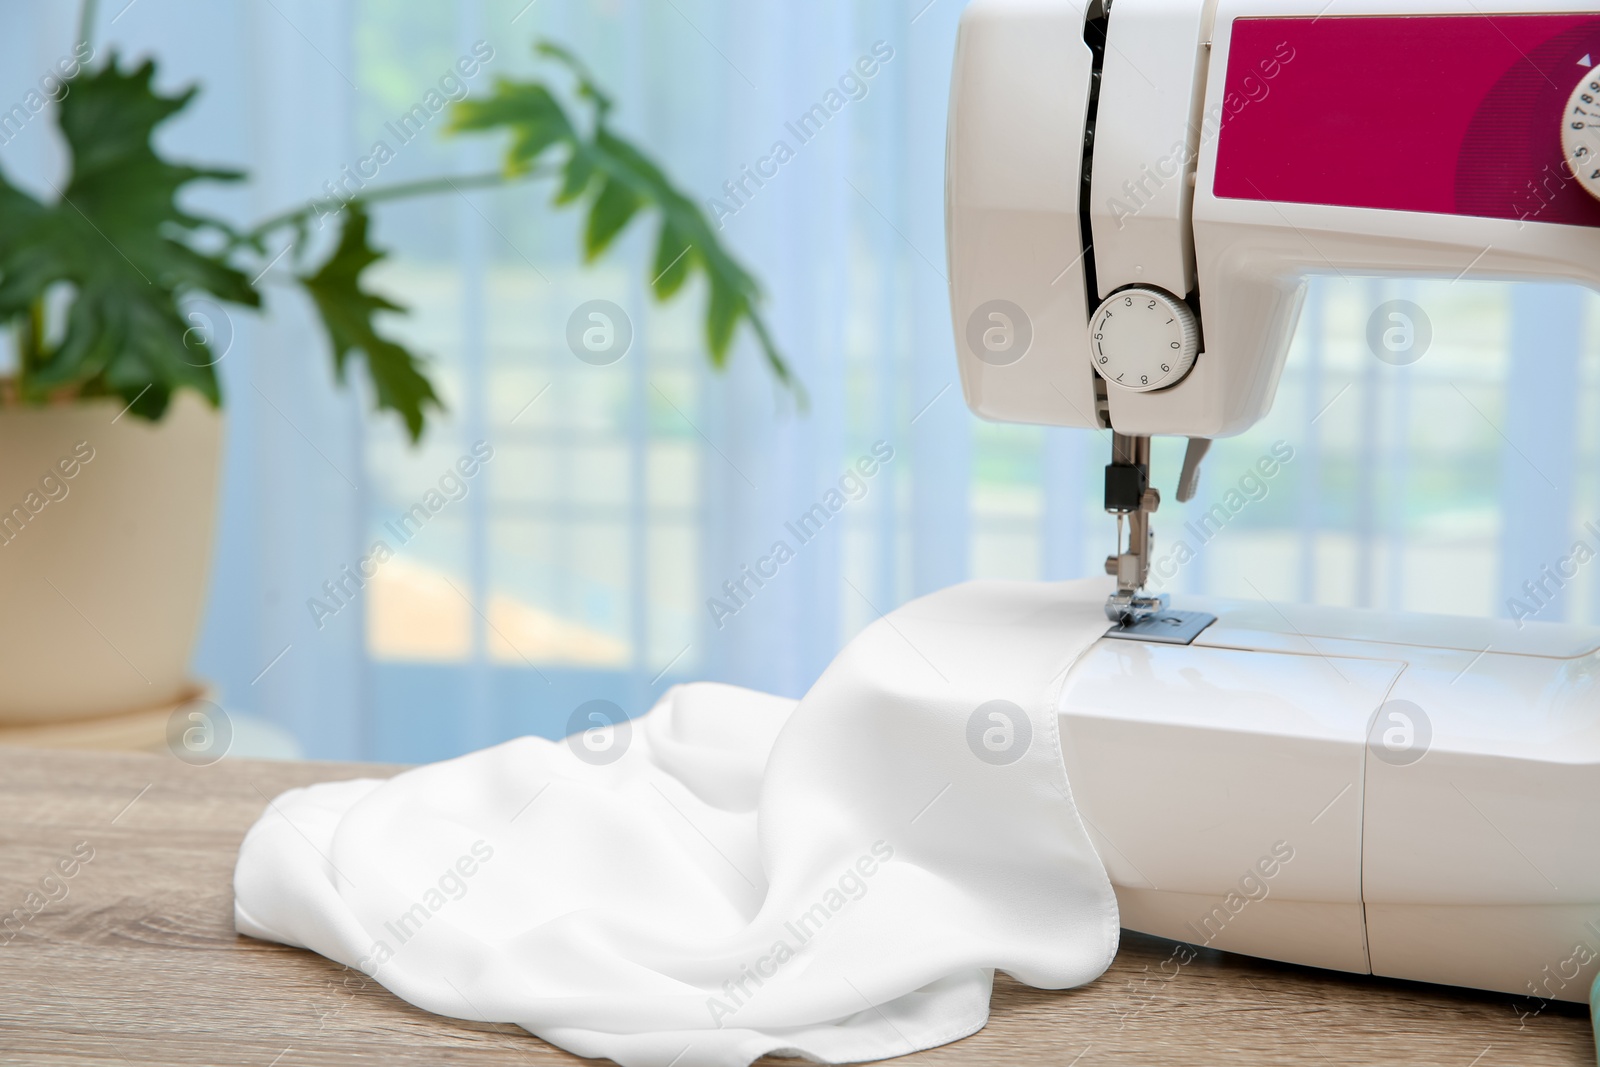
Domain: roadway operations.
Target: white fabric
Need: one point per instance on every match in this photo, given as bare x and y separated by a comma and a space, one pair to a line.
836, 878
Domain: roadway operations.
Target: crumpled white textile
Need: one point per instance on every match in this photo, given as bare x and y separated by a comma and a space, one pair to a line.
836, 878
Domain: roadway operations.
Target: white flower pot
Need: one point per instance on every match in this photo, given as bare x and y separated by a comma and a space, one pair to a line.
105, 546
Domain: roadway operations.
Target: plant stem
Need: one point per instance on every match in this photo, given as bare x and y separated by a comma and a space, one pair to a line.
400, 191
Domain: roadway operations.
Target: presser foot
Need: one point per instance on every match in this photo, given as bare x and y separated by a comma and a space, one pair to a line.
1124, 606
1139, 617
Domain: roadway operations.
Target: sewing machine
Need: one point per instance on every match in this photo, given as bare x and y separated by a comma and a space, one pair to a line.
1137, 193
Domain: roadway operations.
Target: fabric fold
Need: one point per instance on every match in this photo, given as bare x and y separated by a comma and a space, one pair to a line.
836, 878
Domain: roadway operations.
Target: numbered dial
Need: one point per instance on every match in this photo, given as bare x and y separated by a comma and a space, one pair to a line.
1143, 339
1580, 134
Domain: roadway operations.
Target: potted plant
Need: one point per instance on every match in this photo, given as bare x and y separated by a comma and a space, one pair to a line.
109, 427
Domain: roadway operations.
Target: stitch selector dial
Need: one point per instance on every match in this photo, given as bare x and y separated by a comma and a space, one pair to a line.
1143, 339
1580, 133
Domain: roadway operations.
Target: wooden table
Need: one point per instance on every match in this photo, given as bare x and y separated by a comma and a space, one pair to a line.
138, 962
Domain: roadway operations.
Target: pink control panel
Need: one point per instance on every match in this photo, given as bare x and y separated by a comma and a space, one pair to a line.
1446, 114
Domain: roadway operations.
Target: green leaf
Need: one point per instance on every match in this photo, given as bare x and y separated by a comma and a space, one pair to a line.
587, 89
722, 318
115, 240
536, 119
734, 294
347, 312
674, 252
612, 209
619, 181
579, 174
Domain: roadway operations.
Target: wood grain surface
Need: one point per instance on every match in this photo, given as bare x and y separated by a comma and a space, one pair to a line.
138, 962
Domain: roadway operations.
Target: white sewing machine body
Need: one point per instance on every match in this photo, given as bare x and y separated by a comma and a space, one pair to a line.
1412, 796
1238, 147
1434, 781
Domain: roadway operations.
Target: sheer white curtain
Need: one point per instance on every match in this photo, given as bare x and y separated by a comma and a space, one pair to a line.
621, 500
